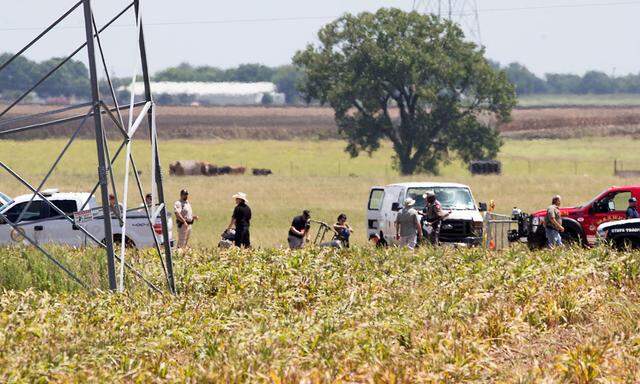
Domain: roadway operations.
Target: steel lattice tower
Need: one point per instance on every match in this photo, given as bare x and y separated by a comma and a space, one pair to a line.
463, 12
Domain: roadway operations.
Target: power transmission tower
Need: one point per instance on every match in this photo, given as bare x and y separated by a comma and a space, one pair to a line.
462, 12
100, 109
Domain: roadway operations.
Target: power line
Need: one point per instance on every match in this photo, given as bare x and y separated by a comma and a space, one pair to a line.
192, 22
555, 6
309, 18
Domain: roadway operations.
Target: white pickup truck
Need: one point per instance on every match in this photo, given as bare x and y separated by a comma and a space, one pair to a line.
462, 227
43, 224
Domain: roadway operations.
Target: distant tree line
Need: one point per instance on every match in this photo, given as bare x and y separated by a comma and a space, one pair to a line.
72, 79
592, 82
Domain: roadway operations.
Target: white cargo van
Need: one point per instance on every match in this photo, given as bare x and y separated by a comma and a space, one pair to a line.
462, 227
43, 224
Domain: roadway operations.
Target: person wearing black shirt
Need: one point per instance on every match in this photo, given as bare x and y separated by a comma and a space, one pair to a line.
299, 230
241, 220
632, 210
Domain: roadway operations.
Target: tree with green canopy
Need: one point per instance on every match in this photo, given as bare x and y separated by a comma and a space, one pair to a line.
412, 79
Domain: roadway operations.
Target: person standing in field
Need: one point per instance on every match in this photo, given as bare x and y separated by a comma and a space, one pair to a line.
115, 209
433, 216
184, 218
632, 210
148, 203
553, 223
408, 231
299, 230
148, 200
241, 220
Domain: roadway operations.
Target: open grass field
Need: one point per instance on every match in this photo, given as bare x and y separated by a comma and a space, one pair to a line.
318, 175
286, 123
323, 316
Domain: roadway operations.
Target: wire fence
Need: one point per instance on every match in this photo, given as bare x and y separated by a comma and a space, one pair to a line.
511, 166
496, 230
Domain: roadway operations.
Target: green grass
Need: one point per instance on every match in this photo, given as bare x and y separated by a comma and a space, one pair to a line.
318, 175
324, 316
610, 100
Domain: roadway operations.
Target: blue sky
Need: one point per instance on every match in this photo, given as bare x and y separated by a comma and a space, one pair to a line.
546, 35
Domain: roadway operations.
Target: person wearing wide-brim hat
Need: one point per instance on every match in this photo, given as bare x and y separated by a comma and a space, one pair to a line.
408, 231
433, 215
241, 220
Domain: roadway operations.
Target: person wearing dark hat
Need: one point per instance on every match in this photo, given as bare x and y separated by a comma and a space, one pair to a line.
299, 230
184, 218
632, 210
241, 220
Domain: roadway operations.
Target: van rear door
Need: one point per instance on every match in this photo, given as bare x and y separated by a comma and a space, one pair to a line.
392, 194
374, 210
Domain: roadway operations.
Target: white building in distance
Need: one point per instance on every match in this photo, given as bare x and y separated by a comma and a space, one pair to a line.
204, 93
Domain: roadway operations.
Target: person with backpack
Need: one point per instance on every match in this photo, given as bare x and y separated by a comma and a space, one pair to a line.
343, 230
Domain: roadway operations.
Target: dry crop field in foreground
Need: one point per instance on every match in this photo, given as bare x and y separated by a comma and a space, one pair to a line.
315, 316
318, 175
285, 123
360, 315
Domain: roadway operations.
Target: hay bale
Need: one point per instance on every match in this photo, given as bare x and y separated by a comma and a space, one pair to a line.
186, 168
261, 171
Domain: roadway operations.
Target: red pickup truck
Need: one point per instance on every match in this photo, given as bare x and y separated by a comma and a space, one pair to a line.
580, 222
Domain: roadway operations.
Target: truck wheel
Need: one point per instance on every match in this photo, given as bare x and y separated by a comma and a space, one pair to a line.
570, 238
625, 244
117, 242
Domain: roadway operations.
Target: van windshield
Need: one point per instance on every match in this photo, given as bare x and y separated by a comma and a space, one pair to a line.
456, 198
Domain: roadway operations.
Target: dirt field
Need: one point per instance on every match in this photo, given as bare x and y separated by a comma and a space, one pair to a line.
285, 123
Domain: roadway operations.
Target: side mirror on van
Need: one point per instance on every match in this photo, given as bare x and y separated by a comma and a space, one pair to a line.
395, 207
482, 207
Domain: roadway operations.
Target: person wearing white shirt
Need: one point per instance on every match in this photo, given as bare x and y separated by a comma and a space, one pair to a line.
184, 218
